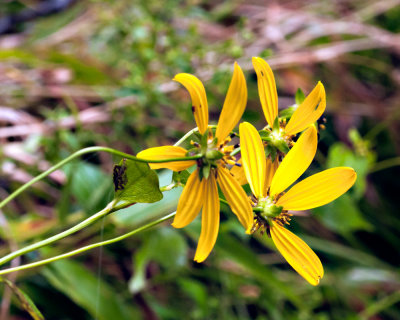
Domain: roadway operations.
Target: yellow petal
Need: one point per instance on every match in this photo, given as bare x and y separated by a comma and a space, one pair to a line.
308, 112
266, 89
209, 220
298, 254
319, 189
295, 162
166, 152
270, 171
253, 158
239, 174
199, 98
234, 105
191, 201
236, 197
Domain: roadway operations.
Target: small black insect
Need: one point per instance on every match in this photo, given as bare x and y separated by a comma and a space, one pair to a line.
193, 109
119, 176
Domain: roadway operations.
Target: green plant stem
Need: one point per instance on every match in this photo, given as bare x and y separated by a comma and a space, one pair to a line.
187, 135
89, 247
80, 153
380, 305
235, 152
107, 210
385, 164
93, 218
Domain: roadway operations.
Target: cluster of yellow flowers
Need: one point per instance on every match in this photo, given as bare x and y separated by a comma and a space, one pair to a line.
271, 161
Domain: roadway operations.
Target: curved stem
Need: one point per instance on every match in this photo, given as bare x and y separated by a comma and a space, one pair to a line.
235, 152
92, 246
107, 210
187, 135
78, 154
385, 164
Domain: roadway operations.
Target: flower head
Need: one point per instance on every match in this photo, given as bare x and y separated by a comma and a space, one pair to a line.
271, 204
201, 191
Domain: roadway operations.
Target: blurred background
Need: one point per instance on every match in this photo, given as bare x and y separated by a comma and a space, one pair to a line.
75, 74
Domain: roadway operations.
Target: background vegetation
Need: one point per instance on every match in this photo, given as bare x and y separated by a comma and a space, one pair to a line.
80, 73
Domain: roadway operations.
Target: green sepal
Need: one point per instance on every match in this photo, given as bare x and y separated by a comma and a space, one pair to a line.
180, 177
288, 112
299, 96
205, 171
135, 182
276, 124
265, 135
204, 138
197, 135
271, 152
282, 146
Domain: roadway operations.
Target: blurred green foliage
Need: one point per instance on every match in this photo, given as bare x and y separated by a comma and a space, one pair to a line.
116, 59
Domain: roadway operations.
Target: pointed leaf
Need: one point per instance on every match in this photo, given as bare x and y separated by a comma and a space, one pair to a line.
136, 182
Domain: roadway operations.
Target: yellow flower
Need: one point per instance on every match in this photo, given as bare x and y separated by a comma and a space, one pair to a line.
272, 203
306, 113
201, 191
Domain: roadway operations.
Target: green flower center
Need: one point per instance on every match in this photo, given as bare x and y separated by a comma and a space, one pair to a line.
267, 209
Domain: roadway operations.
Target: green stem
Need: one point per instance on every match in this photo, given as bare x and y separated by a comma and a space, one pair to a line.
80, 153
235, 152
107, 210
386, 164
187, 135
89, 247
93, 218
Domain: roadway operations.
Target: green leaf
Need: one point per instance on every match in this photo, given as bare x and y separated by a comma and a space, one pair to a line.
343, 215
235, 250
340, 155
299, 96
89, 185
136, 182
141, 213
26, 302
165, 246
82, 286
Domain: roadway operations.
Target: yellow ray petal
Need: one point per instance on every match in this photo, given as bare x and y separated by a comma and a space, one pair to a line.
266, 89
295, 162
166, 152
209, 220
236, 197
298, 254
253, 158
234, 105
239, 174
199, 98
191, 201
319, 189
270, 171
308, 112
